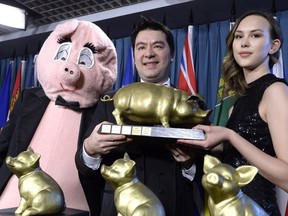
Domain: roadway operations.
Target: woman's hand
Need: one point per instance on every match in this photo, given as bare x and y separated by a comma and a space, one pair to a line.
215, 135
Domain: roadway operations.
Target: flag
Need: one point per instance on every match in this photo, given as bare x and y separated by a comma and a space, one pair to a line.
16, 89
5, 96
278, 68
187, 82
186, 78
128, 76
223, 105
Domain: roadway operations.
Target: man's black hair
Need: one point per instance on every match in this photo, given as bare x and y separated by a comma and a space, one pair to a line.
149, 23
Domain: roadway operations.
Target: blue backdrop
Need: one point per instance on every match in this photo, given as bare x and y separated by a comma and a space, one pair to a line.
208, 52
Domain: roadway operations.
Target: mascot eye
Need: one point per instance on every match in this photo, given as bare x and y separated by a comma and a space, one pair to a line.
86, 58
63, 52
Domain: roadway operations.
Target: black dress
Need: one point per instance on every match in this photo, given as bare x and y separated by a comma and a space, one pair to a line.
246, 121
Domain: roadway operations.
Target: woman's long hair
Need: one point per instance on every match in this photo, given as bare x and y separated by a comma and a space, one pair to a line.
232, 72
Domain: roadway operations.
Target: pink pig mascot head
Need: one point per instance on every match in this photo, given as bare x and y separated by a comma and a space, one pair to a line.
77, 63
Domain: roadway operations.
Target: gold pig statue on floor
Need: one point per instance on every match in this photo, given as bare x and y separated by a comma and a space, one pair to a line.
131, 197
40, 193
149, 103
223, 183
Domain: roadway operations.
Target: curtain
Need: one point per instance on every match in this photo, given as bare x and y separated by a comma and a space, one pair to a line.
209, 48
123, 46
208, 52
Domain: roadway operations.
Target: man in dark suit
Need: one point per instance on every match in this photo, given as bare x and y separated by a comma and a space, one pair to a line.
167, 170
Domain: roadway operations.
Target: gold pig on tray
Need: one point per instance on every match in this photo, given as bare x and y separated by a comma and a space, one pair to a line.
223, 183
149, 103
40, 193
131, 197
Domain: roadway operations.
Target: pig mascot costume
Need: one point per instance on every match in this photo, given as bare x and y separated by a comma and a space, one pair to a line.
76, 64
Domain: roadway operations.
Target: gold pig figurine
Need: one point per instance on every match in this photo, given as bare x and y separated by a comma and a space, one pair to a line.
131, 197
223, 183
149, 103
40, 193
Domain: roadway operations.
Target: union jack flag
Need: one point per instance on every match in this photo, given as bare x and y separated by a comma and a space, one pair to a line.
187, 78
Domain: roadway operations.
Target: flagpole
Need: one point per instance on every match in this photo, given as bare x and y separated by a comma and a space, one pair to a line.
23, 72
35, 71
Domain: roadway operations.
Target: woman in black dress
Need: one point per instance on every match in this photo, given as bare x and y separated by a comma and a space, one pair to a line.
257, 130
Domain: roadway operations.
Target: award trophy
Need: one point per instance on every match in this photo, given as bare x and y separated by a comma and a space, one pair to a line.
224, 194
147, 105
131, 195
40, 194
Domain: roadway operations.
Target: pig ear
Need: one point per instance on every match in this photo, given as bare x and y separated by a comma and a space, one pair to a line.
192, 98
246, 174
30, 149
199, 99
131, 172
66, 28
35, 156
210, 162
126, 156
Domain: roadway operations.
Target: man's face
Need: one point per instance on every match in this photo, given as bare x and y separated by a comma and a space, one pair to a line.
152, 56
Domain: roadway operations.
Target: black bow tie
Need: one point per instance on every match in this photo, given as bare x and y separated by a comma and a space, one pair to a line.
70, 105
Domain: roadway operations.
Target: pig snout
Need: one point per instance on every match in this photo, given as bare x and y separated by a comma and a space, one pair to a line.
103, 169
214, 179
70, 75
204, 114
106, 171
9, 160
191, 113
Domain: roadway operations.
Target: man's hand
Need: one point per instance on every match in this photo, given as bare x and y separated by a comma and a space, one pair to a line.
99, 144
182, 154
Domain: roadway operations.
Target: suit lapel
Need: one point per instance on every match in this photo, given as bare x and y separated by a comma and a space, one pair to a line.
33, 108
85, 122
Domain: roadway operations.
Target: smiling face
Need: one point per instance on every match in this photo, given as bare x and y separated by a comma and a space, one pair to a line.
252, 43
152, 56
